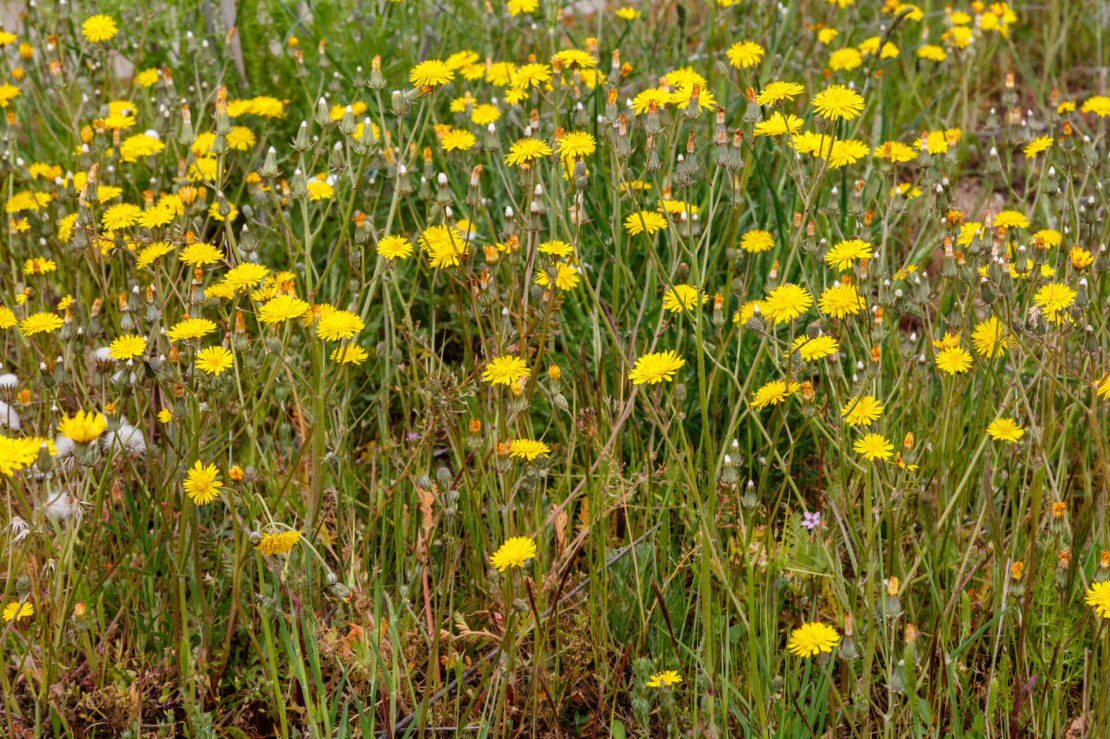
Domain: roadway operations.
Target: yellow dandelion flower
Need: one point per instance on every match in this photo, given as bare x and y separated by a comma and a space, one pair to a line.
202, 483
515, 552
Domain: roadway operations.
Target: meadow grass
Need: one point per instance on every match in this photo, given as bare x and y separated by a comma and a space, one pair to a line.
377, 369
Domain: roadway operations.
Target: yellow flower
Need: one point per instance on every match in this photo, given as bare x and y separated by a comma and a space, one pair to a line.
140, 145
199, 253
847, 151
204, 168
241, 138
953, 360
827, 35
559, 249
319, 189
99, 28
575, 58
516, 7
1099, 105
65, 227
202, 483
681, 297
213, 360
652, 369
645, 221
756, 241
151, 253
278, 543
1005, 429
785, 303
873, 446
17, 453
1080, 258
7, 94
165, 415
677, 207
861, 410
809, 640
1049, 237
846, 59
811, 142
120, 216
245, 276
395, 247
1037, 145
869, 45
15, 611
816, 348
895, 151
526, 150
484, 114
505, 370
773, 393
39, 266
349, 354
844, 253
431, 73
1098, 595
566, 277
627, 14
157, 216
281, 309
664, 679
774, 93
500, 74
191, 329
840, 300
1053, 298
643, 101
528, 449
338, 325
147, 77
1011, 219
989, 338
576, 145
947, 341
127, 347
778, 125
202, 144
513, 553
837, 102
40, 323
458, 140
744, 54
83, 427
932, 52
531, 75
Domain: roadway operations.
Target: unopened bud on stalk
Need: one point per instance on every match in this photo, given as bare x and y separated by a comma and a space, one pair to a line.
402, 183
1082, 297
187, 136
474, 190
491, 142
377, 80
443, 192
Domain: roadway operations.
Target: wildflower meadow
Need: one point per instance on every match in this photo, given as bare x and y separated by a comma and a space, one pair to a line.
530, 368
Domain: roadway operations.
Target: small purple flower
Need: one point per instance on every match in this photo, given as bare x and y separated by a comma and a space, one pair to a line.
811, 520
412, 437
